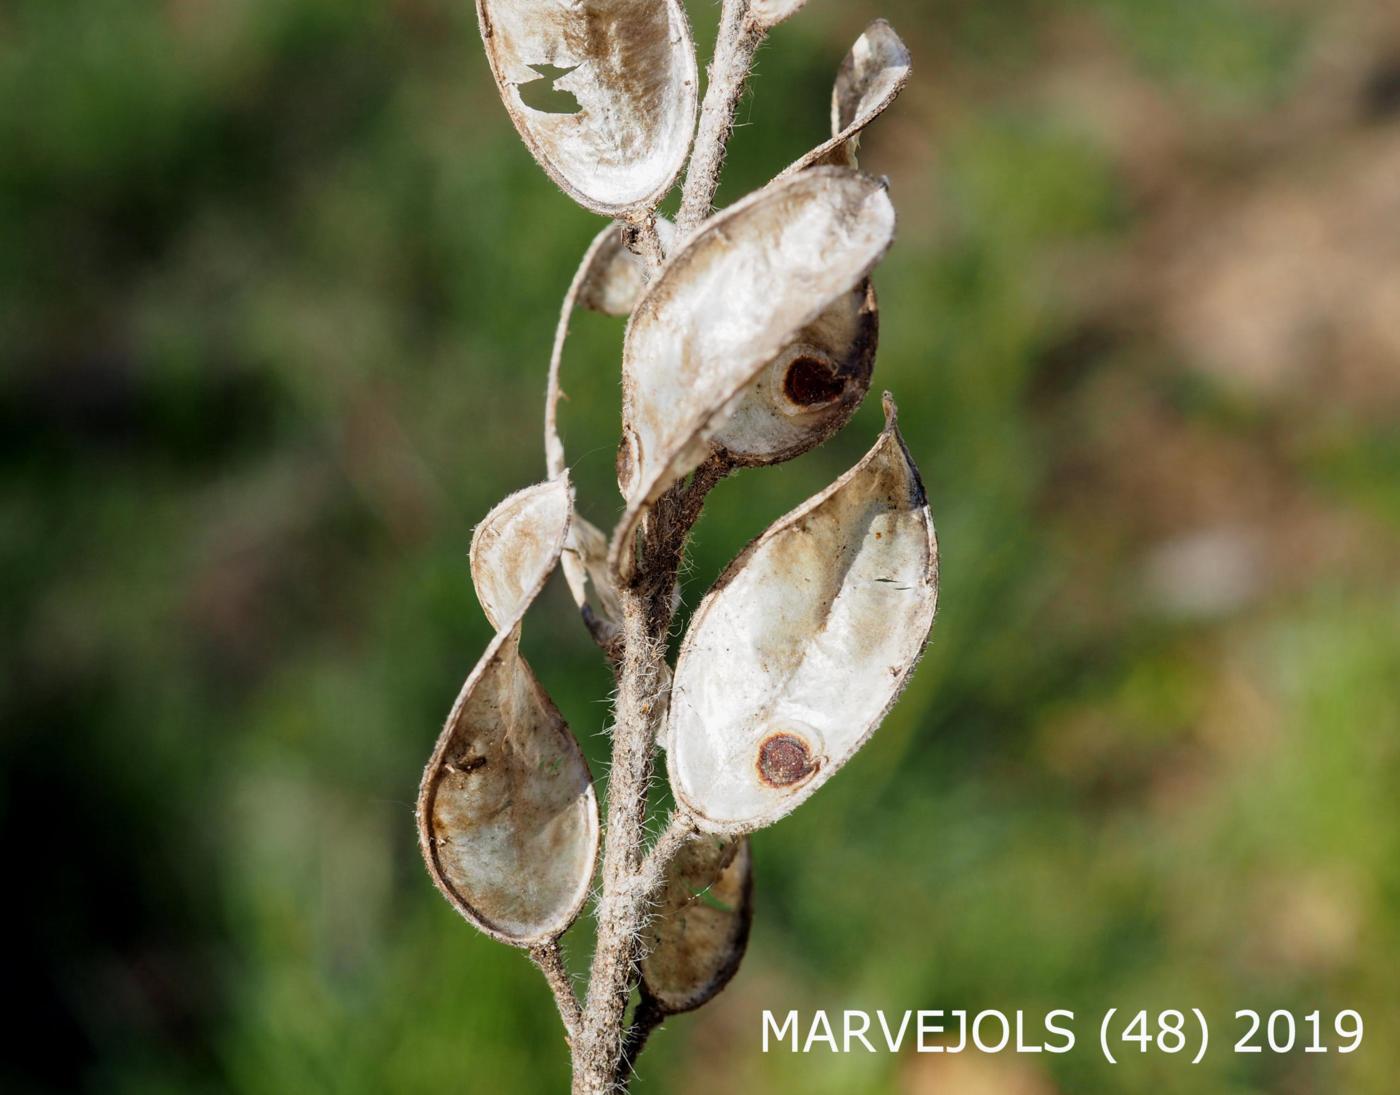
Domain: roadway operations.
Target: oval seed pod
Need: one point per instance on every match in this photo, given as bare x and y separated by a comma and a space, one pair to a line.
724, 305
630, 68
811, 389
507, 818
769, 13
697, 939
871, 77
516, 546
804, 643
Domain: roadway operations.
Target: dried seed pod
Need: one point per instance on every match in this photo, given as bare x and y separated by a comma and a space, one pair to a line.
769, 13
727, 303
804, 643
507, 818
811, 389
872, 75
610, 279
585, 566
614, 278
630, 66
696, 941
516, 546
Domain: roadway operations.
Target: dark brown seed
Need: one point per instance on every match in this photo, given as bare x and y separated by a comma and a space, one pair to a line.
784, 759
810, 382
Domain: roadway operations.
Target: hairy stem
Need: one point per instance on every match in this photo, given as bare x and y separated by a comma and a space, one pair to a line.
643, 239
739, 38
550, 961
604, 1054
645, 1019
622, 908
630, 877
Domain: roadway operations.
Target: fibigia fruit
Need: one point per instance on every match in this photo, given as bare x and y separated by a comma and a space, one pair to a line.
734, 296
696, 940
870, 78
804, 643
507, 817
750, 339
630, 66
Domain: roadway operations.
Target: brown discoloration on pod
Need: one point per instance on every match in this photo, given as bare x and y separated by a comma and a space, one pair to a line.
811, 389
629, 64
784, 759
811, 381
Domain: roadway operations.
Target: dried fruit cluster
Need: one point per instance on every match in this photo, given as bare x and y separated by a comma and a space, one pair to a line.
751, 339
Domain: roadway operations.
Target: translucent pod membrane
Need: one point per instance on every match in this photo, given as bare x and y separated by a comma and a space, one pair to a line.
515, 548
803, 644
697, 939
811, 389
617, 111
507, 818
870, 78
724, 306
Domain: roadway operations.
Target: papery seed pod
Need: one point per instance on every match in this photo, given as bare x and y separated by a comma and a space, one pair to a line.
614, 278
872, 75
769, 13
727, 303
507, 818
695, 942
804, 643
515, 548
811, 389
630, 65
610, 279
585, 566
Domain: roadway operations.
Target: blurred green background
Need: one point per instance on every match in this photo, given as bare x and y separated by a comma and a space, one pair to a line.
277, 287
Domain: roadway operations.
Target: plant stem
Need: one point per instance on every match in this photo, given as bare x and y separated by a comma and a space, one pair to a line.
630, 878
645, 1019
623, 906
739, 38
550, 960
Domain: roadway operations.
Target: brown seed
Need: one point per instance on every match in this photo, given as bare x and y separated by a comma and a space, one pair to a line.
810, 382
784, 759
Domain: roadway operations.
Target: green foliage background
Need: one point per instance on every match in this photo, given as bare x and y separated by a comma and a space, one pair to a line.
277, 287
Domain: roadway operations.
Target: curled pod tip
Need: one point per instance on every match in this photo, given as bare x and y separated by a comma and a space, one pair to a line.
870, 78
515, 548
803, 644
507, 818
626, 70
696, 940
